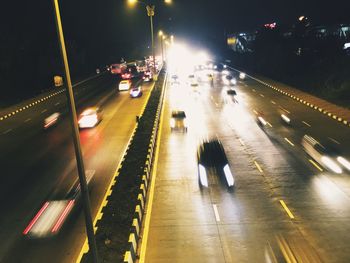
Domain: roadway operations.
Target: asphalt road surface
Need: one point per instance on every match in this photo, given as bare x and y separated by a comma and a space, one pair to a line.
38, 165
283, 207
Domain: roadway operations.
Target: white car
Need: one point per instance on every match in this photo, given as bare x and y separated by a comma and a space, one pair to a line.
178, 121
90, 117
319, 153
124, 84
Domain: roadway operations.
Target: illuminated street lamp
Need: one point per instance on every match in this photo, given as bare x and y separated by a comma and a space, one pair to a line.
162, 37
77, 147
150, 13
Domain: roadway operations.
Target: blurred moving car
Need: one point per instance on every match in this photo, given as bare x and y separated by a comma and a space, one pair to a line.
147, 76
124, 84
178, 121
321, 155
50, 218
211, 155
90, 117
231, 92
285, 119
136, 92
51, 120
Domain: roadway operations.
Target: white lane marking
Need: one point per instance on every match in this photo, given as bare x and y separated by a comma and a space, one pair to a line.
273, 102
307, 124
334, 140
29, 119
57, 104
262, 95
285, 110
44, 111
7, 131
241, 141
255, 111
216, 212
287, 140
269, 124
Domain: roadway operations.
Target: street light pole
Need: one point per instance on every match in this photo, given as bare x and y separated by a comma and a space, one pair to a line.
150, 13
76, 139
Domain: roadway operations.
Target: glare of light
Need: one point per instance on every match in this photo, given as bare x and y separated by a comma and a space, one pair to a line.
160, 33
262, 121
301, 18
225, 66
329, 163
329, 192
203, 175
229, 176
172, 123
242, 75
285, 118
233, 81
225, 72
344, 162
168, 1
346, 45
132, 2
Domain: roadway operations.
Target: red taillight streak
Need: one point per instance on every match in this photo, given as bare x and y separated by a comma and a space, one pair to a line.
29, 227
63, 216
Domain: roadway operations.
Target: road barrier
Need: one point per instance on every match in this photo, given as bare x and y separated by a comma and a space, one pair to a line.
119, 221
130, 255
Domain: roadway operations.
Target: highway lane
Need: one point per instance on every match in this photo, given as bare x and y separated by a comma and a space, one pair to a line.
275, 181
46, 165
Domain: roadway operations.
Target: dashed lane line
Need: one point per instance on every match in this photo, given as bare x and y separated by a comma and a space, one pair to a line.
316, 165
216, 212
258, 166
7, 131
334, 140
287, 140
307, 124
287, 209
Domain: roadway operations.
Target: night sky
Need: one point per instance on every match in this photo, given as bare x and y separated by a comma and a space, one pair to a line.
100, 32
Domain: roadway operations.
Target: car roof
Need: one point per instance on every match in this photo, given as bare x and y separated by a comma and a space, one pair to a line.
212, 153
125, 80
178, 114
